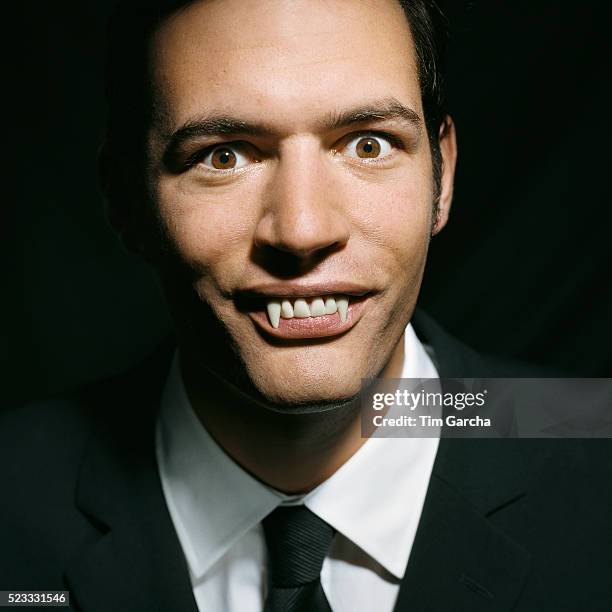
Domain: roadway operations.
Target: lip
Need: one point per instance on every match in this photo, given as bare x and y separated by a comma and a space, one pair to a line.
252, 302
280, 290
325, 326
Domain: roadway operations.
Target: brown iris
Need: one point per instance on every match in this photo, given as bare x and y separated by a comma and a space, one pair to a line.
223, 158
368, 147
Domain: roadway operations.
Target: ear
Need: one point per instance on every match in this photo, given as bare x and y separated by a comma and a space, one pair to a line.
121, 198
448, 150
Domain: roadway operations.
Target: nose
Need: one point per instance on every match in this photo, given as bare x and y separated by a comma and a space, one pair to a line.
303, 212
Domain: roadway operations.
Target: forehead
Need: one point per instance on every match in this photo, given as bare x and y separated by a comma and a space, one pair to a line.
287, 59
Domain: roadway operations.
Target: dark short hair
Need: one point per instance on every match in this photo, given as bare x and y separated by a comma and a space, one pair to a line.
130, 99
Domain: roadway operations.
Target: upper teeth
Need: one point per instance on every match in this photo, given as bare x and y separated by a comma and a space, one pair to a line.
302, 308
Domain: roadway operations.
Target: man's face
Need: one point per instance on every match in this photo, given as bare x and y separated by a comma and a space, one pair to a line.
292, 163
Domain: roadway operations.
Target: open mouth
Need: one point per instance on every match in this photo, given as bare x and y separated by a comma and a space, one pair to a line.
304, 309
316, 317
306, 316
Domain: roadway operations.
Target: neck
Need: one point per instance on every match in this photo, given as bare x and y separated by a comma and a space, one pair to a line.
292, 453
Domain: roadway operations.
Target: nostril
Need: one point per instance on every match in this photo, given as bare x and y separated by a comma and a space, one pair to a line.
304, 242
288, 263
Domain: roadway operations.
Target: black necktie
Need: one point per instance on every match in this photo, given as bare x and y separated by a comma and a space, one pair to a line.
297, 542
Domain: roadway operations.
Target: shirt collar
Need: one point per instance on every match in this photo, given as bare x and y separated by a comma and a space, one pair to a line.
213, 501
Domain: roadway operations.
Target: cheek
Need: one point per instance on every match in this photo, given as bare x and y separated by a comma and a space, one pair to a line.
396, 217
205, 231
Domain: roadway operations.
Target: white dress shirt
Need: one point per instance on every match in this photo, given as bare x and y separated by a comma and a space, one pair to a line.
374, 502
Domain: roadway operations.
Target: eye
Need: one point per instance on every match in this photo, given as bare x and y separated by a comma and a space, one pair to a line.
368, 146
224, 157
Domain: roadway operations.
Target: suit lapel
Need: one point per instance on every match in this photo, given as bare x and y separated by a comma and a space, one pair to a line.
134, 560
460, 559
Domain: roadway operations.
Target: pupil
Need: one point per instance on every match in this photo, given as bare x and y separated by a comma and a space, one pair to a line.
368, 147
223, 158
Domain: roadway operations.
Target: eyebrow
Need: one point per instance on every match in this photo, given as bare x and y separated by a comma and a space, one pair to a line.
386, 109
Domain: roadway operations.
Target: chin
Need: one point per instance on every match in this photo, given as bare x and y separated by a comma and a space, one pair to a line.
302, 387
300, 397
315, 374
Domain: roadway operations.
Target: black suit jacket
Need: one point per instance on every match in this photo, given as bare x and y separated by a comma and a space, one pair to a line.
520, 525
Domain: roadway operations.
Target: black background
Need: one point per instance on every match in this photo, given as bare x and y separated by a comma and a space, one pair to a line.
523, 268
